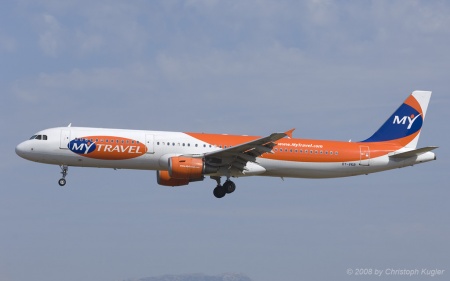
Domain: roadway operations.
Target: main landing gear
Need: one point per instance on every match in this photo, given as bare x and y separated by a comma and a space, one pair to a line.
222, 190
64, 170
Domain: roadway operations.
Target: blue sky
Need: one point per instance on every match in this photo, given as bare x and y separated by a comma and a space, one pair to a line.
331, 69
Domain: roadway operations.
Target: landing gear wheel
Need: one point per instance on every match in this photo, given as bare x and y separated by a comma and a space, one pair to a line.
229, 186
62, 182
64, 170
219, 191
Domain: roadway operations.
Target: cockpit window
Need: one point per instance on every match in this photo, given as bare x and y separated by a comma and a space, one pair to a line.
39, 137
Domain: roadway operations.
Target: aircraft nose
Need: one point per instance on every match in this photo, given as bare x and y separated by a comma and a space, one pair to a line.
21, 149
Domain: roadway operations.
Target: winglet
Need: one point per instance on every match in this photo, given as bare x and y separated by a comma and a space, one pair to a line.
289, 133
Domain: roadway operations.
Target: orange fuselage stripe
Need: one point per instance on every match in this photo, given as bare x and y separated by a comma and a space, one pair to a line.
290, 148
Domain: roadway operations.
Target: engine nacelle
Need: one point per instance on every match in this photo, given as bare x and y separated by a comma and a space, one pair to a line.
163, 178
188, 168
185, 168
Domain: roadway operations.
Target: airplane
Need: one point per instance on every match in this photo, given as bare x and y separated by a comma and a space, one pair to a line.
180, 158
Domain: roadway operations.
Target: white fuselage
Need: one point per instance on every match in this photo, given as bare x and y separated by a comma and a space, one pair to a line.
160, 146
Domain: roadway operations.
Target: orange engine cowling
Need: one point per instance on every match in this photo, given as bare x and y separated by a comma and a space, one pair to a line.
183, 170
186, 168
163, 178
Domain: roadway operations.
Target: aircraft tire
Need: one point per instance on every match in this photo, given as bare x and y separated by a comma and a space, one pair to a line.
219, 192
229, 186
62, 182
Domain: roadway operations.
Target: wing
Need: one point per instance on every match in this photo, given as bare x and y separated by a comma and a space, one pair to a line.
235, 158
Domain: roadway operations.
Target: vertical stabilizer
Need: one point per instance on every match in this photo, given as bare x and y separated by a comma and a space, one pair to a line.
404, 126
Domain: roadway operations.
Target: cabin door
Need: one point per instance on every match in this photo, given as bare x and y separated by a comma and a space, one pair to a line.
364, 155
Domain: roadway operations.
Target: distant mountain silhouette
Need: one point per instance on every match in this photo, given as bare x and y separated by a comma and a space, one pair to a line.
196, 277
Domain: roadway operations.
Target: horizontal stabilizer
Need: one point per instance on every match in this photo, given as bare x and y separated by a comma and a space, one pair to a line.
412, 153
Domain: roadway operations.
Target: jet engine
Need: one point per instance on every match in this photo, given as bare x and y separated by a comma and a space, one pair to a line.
163, 178
183, 170
186, 167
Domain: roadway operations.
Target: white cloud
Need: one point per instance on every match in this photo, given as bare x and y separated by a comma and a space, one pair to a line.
51, 38
83, 84
322, 12
89, 43
115, 26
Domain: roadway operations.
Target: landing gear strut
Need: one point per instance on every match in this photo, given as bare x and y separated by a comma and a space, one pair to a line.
221, 190
64, 170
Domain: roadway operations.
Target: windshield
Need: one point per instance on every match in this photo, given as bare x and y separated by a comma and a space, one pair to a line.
39, 137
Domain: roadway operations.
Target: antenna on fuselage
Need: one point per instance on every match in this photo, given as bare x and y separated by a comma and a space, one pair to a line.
70, 125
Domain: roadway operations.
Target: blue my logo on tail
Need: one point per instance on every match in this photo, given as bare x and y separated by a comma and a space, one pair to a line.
406, 120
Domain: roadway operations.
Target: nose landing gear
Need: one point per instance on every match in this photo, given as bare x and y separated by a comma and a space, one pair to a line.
64, 170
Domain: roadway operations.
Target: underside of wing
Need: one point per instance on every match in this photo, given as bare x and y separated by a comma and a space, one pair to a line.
413, 153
